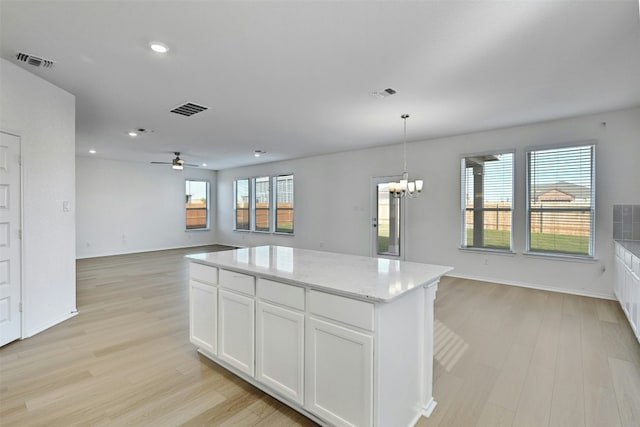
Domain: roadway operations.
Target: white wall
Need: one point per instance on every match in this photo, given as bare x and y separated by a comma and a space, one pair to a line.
333, 200
126, 207
43, 116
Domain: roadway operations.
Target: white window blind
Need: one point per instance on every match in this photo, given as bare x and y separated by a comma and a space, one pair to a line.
487, 201
560, 200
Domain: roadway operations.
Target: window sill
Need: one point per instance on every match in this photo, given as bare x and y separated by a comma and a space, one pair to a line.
488, 250
562, 257
280, 233
197, 229
241, 231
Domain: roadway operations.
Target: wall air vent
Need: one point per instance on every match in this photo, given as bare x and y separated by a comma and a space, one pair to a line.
189, 109
34, 60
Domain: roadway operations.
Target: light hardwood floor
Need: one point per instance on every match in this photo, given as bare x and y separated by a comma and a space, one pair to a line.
504, 356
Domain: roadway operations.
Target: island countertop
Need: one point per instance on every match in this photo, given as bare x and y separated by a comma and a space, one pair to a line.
376, 279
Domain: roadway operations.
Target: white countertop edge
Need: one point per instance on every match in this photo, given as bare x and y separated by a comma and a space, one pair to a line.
259, 272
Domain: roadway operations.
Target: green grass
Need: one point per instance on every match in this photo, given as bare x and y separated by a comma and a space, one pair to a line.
540, 242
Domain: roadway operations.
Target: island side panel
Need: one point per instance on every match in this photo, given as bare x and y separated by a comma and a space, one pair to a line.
428, 402
399, 342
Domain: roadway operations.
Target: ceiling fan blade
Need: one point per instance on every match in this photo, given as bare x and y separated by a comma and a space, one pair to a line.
191, 165
161, 163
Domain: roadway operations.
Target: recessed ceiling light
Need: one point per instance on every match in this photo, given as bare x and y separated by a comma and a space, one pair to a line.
159, 47
133, 134
92, 151
204, 164
259, 153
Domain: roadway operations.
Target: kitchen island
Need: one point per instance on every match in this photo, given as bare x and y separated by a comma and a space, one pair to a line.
346, 340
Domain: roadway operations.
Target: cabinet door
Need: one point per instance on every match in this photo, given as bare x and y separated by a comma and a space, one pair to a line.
203, 316
237, 317
339, 374
619, 277
280, 350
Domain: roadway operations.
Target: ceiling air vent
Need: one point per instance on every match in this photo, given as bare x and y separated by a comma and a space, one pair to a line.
34, 60
383, 93
189, 109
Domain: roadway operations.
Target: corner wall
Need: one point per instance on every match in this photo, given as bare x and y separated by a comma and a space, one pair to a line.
333, 196
43, 115
126, 207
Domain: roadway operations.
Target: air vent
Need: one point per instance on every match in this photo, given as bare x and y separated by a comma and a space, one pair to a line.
34, 60
383, 93
189, 109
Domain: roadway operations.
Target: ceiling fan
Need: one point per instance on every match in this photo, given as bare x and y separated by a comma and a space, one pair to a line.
177, 163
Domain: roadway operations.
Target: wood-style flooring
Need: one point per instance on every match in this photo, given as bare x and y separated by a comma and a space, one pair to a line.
503, 356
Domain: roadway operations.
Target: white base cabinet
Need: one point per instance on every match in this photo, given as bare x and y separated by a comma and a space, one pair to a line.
237, 323
339, 374
627, 285
203, 316
280, 350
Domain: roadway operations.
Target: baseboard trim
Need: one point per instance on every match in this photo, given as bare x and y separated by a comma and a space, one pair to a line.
146, 250
47, 325
581, 293
427, 410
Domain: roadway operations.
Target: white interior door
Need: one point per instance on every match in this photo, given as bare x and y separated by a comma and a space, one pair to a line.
10, 234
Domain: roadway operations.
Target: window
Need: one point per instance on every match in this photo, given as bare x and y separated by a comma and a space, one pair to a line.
560, 200
487, 201
197, 205
284, 204
262, 203
242, 204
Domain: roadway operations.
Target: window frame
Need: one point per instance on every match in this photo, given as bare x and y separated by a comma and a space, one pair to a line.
592, 208
235, 204
276, 230
207, 226
464, 209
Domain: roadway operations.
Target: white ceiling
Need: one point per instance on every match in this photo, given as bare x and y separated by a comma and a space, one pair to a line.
293, 78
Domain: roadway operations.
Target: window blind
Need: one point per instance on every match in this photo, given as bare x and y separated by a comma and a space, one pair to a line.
560, 200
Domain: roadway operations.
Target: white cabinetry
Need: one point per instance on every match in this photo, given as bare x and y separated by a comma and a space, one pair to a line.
627, 285
345, 340
280, 350
339, 373
237, 320
237, 317
203, 307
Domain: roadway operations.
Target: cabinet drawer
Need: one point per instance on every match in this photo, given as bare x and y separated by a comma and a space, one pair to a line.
280, 293
627, 258
238, 282
635, 266
342, 309
204, 273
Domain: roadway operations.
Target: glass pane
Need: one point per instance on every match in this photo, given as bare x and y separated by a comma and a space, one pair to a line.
284, 204
488, 191
197, 206
388, 237
242, 204
262, 203
242, 219
560, 232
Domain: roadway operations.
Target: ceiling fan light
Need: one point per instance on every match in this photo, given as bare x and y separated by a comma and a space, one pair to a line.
177, 167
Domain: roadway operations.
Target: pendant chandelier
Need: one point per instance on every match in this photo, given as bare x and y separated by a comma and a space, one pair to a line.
405, 188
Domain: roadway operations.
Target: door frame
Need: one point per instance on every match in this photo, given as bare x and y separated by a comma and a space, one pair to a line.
373, 235
21, 224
